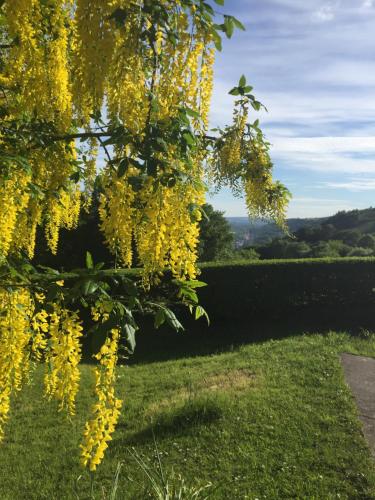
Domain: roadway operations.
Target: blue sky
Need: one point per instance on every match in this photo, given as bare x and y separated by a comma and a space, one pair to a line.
312, 63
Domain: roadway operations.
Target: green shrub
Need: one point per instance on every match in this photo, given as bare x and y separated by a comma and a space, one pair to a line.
243, 289
360, 252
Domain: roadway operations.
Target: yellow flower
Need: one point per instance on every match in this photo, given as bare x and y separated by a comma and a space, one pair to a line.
106, 411
62, 380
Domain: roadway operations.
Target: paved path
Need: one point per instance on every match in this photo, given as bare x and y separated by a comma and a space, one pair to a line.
360, 376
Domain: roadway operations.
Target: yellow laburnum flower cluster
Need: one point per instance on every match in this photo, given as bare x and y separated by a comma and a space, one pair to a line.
38, 84
117, 217
156, 218
40, 327
28, 335
232, 152
40, 60
207, 80
63, 357
172, 236
242, 161
15, 335
14, 200
68, 60
264, 196
106, 410
57, 203
71, 58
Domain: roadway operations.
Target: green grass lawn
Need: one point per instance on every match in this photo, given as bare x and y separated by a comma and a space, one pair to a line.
271, 420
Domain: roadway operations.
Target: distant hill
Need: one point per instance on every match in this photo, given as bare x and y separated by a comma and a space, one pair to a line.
256, 231
361, 220
345, 234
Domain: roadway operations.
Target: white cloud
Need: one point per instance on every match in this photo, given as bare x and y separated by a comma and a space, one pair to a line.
354, 185
353, 155
325, 13
326, 145
367, 4
351, 72
324, 163
319, 108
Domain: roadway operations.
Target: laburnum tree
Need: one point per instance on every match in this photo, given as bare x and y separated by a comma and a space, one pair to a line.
132, 79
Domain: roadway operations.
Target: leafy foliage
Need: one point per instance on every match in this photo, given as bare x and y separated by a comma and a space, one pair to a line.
346, 234
216, 237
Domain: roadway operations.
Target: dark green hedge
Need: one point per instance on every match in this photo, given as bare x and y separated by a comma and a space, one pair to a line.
273, 287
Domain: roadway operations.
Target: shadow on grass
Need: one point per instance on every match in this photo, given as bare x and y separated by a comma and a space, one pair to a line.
223, 336
180, 421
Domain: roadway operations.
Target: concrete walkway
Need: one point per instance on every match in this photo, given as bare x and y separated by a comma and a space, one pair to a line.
359, 374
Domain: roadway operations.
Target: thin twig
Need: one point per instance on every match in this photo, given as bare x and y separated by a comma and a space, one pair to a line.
105, 149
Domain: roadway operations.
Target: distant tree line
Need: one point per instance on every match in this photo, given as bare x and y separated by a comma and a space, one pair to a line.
346, 234
216, 241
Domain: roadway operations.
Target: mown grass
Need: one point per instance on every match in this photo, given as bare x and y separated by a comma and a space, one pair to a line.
271, 420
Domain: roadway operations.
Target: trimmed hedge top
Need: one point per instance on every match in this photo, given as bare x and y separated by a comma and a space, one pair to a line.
287, 262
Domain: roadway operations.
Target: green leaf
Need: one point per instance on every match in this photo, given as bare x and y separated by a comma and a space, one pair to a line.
159, 318
119, 16
168, 316
219, 2
229, 26
256, 105
234, 91
217, 40
123, 167
75, 177
208, 8
88, 287
172, 320
238, 24
192, 113
160, 145
242, 82
189, 138
136, 182
48, 269
168, 180
89, 261
195, 284
189, 294
199, 312
129, 332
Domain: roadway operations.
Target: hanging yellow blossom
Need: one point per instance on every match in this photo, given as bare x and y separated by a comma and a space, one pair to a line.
63, 357
15, 336
134, 80
106, 411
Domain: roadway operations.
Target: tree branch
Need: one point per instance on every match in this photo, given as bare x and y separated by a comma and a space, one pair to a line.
82, 135
100, 135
